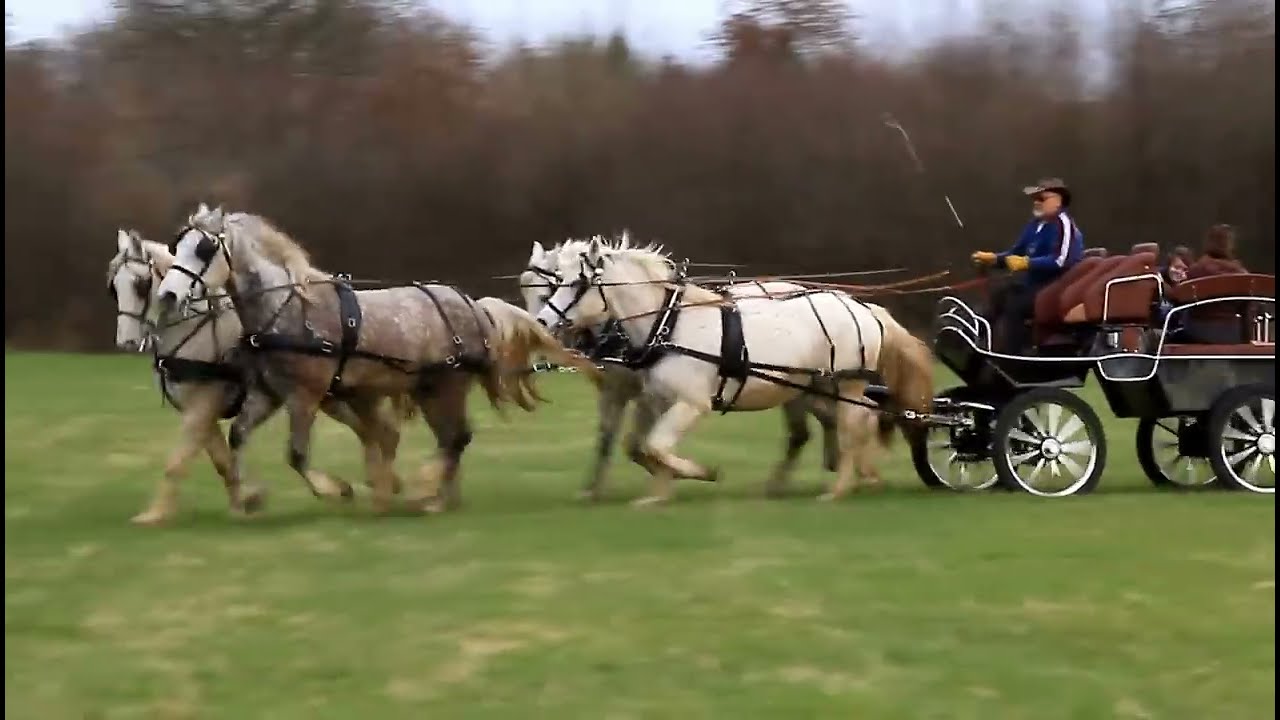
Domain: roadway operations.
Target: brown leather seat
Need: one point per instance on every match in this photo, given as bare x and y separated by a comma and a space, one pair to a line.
1216, 286
1140, 248
1047, 312
1129, 302
1095, 252
1073, 296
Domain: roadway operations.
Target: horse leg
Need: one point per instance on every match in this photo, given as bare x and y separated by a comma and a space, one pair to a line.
370, 429
240, 501
660, 446
303, 406
199, 415
389, 440
795, 413
370, 426
646, 414
849, 433
612, 403
871, 448
445, 411
826, 414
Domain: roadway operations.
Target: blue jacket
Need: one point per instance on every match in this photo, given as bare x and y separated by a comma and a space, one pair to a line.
1051, 245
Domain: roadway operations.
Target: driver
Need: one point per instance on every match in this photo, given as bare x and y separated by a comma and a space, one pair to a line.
1050, 244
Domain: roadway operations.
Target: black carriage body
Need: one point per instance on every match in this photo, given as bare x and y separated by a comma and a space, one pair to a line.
1168, 386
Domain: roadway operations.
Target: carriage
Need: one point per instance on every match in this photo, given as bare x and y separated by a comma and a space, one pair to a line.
1206, 412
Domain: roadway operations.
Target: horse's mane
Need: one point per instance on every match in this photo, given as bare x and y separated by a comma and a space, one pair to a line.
281, 249
651, 259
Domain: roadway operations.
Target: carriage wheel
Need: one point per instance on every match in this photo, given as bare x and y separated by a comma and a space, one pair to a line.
1174, 452
1242, 429
955, 458
1049, 442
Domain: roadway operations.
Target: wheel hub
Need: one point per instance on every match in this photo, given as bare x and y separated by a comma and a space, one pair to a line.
1267, 443
1050, 448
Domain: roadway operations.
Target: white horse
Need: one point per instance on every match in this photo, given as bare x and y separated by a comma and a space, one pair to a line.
620, 385
823, 335
199, 373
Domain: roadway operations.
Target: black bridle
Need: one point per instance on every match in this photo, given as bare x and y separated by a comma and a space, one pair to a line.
206, 251
142, 286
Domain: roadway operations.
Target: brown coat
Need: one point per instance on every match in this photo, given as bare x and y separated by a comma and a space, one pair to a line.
1208, 265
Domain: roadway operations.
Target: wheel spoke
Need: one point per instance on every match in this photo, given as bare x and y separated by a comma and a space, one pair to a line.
1079, 447
1072, 426
1230, 433
1268, 414
1172, 431
1055, 467
1254, 466
1246, 413
1031, 415
1239, 457
1021, 436
1191, 471
964, 473
1036, 472
1075, 468
1168, 467
938, 444
1017, 460
1271, 464
1054, 414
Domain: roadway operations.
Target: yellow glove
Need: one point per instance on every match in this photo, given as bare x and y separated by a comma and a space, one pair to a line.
983, 258
1017, 263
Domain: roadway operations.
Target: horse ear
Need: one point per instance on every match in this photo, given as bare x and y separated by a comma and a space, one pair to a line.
537, 253
122, 240
594, 250
214, 217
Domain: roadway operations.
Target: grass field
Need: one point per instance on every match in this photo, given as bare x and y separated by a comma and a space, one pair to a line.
899, 604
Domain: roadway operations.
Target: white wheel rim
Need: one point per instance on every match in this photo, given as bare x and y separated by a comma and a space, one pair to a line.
1247, 447
1174, 466
1051, 452
956, 473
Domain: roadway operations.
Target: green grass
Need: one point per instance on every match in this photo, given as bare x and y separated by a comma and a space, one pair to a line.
901, 604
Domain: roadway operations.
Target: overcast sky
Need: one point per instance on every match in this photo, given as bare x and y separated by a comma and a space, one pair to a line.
678, 27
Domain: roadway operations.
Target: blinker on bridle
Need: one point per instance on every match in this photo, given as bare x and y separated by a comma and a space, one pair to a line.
206, 251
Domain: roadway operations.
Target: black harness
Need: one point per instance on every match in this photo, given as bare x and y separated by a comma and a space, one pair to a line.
350, 318
733, 361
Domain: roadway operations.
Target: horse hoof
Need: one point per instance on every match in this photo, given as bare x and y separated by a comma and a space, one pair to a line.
396, 485
650, 501
253, 500
713, 475
345, 491
150, 518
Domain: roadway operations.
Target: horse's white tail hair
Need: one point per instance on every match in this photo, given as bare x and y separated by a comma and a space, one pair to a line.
516, 340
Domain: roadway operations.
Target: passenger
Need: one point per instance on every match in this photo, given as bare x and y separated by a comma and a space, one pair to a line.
1219, 256
1173, 272
1176, 265
1050, 244
1218, 322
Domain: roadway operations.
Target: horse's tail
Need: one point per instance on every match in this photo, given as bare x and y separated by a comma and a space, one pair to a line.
906, 365
516, 340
